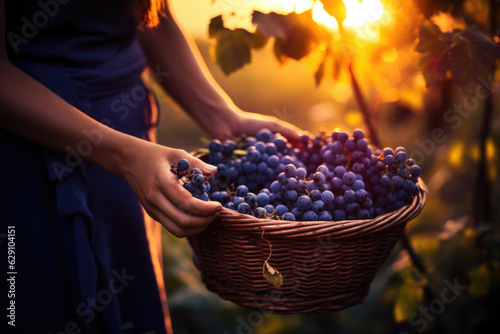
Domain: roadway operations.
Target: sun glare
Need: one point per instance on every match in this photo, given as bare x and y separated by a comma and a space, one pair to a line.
322, 17
358, 14
361, 13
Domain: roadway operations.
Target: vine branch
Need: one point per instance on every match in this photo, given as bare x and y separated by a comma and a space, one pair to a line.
482, 208
370, 122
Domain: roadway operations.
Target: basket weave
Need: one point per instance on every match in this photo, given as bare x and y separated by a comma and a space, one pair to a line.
326, 266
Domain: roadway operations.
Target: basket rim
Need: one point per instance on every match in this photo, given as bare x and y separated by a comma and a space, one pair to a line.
235, 222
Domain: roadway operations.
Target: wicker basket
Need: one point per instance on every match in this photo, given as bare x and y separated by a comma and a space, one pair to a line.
326, 266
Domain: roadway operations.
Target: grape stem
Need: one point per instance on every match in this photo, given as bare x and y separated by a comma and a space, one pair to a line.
270, 246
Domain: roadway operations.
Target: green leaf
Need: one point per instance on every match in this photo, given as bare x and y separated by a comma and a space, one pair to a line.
216, 25
434, 68
408, 299
258, 40
472, 56
335, 8
480, 280
431, 39
271, 275
271, 24
295, 34
431, 7
232, 49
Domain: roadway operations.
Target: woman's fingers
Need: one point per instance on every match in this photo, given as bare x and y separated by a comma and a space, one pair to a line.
205, 168
178, 221
251, 123
173, 226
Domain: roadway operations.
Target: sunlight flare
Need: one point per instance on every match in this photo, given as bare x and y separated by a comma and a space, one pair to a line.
361, 13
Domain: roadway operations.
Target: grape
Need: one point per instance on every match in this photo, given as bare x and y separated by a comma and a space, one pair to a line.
238, 200
318, 206
273, 161
251, 199
340, 171
189, 186
325, 216
337, 183
339, 215
183, 165
389, 160
362, 144
297, 213
350, 196
361, 195
262, 199
260, 212
318, 178
281, 210
358, 134
198, 180
262, 167
288, 216
309, 216
290, 170
243, 208
264, 135
315, 195
301, 173
339, 202
249, 167
196, 171
215, 146
304, 203
261, 147
415, 170
327, 197
385, 180
397, 182
282, 178
349, 178
291, 195
329, 176
291, 183
358, 184
301, 186
351, 208
276, 186
363, 214
242, 190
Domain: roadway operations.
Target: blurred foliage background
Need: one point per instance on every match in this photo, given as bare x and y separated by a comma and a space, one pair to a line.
458, 242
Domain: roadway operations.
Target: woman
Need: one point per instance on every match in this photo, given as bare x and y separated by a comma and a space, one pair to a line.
78, 165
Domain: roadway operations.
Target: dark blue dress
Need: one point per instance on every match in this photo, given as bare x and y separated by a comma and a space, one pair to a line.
82, 258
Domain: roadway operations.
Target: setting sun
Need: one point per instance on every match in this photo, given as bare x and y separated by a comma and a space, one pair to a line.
358, 13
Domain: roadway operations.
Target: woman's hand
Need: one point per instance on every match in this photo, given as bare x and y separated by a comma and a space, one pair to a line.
239, 122
146, 167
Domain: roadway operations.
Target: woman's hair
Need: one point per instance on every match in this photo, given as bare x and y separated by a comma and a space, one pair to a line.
149, 12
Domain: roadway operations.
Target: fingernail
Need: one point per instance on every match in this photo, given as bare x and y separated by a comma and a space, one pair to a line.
210, 168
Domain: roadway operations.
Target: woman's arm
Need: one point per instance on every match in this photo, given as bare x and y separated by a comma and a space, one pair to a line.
30, 110
192, 86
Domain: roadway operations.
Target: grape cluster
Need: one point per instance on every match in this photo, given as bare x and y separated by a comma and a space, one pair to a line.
193, 181
326, 177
